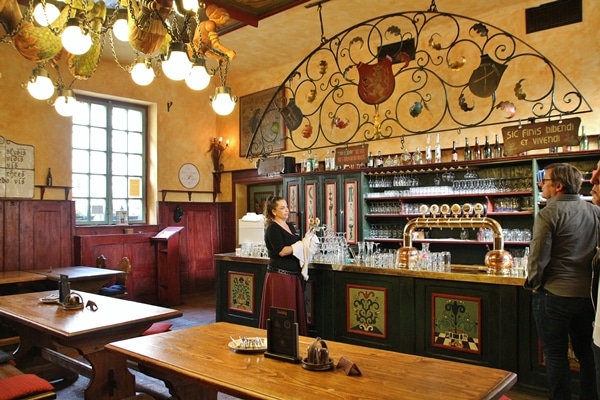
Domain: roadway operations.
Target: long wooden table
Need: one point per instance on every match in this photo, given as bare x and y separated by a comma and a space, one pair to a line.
39, 325
196, 363
87, 279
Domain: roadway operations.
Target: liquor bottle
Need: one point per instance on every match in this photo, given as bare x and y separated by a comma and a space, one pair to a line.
487, 150
371, 162
49, 177
428, 150
332, 161
454, 152
476, 150
438, 149
497, 148
467, 156
379, 160
584, 143
327, 158
417, 157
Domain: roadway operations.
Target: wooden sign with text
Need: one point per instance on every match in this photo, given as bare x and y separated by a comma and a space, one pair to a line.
352, 155
16, 169
541, 135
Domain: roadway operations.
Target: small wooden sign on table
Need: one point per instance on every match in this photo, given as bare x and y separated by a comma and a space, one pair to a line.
282, 335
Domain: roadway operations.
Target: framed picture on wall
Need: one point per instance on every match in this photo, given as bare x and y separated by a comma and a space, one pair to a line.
271, 130
258, 194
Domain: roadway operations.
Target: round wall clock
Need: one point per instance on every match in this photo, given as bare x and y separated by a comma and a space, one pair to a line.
189, 176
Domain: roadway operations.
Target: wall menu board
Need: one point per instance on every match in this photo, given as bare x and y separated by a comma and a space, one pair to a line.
16, 169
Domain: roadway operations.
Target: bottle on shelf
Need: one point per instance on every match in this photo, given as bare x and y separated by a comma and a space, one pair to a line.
454, 152
438, 149
428, 159
303, 163
332, 161
327, 159
49, 177
467, 156
310, 163
497, 149
371, 161
417, 157
379, 159
584, 143
487, 149
476, 150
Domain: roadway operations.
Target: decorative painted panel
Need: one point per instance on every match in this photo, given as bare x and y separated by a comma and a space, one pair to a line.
293, 201
456, 322
351, 214
310, 202
331, 206
240, 292
366, 310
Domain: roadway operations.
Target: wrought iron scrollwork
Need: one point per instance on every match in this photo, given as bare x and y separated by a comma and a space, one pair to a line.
449, 71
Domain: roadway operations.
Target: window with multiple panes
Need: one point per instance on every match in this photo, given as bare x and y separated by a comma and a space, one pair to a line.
109, 161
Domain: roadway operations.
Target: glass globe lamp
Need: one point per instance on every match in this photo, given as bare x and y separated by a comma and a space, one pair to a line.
45, 15
142, 73
223, 102
198, 77
74, 40
40, 85
65, 103
177, 66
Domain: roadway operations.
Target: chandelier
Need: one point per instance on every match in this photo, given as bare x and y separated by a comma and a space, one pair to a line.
177, 39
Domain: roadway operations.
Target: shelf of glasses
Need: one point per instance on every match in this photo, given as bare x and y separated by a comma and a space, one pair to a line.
449, 195
445, 241
410, 216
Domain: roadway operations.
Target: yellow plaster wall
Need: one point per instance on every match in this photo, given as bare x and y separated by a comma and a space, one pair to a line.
183, 132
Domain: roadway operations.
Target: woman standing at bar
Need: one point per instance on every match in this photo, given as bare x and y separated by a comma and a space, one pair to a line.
283, 283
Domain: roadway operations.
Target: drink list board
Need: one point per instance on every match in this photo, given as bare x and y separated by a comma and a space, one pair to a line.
17, 169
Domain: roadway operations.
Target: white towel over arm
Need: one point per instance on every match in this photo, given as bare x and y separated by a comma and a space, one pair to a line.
304, 250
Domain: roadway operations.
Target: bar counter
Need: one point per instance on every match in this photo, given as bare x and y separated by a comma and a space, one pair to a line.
461, 273
464, 315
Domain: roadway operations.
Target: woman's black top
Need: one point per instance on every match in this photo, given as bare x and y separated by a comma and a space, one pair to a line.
276, 238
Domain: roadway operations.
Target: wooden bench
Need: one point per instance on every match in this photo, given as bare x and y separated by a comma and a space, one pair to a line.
23, 386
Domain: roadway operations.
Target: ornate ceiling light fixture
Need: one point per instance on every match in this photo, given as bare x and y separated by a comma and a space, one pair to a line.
175, 37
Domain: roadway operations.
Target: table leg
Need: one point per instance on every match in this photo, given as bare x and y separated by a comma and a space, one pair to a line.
181, 389
110, 378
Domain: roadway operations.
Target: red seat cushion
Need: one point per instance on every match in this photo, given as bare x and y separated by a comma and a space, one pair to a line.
19, 386
157, 327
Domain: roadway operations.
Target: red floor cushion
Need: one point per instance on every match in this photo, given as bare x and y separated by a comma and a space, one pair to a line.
157, 327
19, 386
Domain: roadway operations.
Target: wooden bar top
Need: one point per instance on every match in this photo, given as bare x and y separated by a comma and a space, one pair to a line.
199, 362
461, 273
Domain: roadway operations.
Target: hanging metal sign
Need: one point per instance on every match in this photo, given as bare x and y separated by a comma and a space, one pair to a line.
541, 135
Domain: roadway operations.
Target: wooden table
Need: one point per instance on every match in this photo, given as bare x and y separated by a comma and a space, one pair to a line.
196, 363
87, 279
39, 325
10, 281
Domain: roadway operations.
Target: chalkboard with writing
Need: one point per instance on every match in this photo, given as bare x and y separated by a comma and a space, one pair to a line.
16, 169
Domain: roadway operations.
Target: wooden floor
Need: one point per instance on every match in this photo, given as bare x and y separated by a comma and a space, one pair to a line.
200, 310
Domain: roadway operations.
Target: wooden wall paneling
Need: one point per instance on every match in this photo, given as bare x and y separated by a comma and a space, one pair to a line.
2, 236
45, 234
11, 228
137, 247
226, 227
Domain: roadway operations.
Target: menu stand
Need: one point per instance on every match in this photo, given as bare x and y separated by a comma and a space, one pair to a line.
282, 336
167, 256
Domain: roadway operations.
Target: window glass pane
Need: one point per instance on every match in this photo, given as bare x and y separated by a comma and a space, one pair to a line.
119, 164
98, 115
108, 158
98, 139
135, 210
119, 141
119, 187
81, 187
135, 120
136, 143
81, 137
98, 207
98, 162
97, 186
119, 118
81, 161
135, 165
82, 113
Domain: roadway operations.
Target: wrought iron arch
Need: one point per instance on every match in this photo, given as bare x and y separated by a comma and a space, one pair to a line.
449, 72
